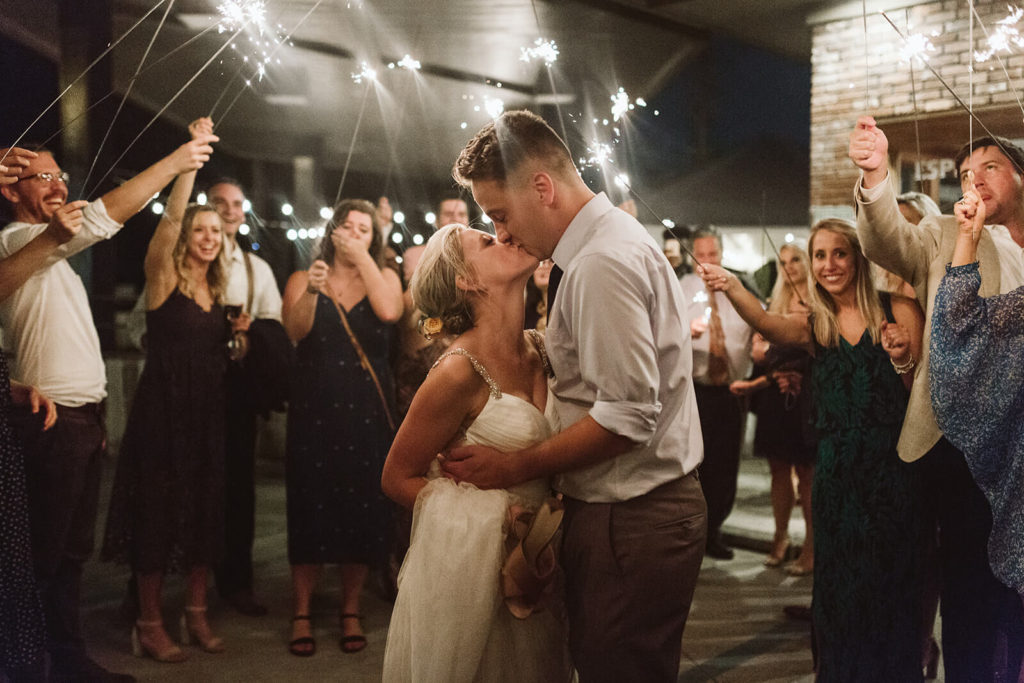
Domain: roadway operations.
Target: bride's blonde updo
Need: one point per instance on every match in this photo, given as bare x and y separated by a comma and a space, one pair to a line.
433, 287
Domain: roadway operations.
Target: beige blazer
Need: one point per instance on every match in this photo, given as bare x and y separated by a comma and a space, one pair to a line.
919, 254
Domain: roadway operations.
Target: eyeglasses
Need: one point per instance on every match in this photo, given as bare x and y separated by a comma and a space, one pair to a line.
48, 177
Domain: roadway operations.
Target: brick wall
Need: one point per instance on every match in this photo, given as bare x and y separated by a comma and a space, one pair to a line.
838, 78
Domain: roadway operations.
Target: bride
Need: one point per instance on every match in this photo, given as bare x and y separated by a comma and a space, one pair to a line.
450, 622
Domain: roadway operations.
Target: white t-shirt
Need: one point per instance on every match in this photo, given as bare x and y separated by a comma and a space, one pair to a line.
47, 322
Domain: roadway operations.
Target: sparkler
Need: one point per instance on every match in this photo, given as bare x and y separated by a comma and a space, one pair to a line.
128, 90
164, 108
1003, 38
621, 104
237, 15
79, 77
916, 45
407, 63
365, 73
494, 106
966, 107
544, 50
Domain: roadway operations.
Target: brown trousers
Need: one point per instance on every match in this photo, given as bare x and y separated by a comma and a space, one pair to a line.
630, 571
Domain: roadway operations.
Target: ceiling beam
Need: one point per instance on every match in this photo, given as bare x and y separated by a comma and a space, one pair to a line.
643, 17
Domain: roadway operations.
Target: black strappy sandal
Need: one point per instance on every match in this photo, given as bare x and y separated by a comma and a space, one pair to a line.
304, 646
351, 644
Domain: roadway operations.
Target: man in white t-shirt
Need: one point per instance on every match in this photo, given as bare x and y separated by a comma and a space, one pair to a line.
49, 328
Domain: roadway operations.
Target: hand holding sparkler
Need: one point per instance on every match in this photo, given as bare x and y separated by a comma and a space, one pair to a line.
970, 217
869, 150
15, 161
317, 276
717, 278
66, 222
200, 127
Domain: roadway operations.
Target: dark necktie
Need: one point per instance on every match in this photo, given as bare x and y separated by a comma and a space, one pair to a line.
553, 280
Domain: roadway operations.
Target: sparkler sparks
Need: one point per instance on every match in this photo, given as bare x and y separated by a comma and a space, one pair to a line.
407, 63
239, 14
545, 50
599, 153
621, 105
494, 106
1004, 38
365, 73
916, 45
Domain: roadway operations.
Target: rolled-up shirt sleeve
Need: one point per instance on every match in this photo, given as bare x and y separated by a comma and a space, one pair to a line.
97, 225
617, 353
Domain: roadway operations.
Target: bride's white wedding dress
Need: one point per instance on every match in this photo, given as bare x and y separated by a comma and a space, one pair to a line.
449, 623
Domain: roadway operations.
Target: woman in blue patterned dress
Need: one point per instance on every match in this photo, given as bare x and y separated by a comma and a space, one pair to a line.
977, 387
868, 524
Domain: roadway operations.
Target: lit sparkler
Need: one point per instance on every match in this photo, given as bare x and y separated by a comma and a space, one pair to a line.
916, 45
1004, 38
545, 50
237, 15
621, 104
365, 73
409, 63
494, 106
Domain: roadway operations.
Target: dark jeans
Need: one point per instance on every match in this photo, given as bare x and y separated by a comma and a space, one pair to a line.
63, 468
235, 573
982, 619
630, 570
721, 423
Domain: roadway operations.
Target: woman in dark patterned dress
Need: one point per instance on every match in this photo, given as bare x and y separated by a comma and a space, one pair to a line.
338, 431
22, 637
868, 522
166, 509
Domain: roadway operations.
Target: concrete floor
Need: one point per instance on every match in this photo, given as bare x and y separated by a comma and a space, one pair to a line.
737, 631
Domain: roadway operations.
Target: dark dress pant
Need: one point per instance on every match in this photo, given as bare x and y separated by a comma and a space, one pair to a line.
982, 619
630, 571
721, 423
63, 468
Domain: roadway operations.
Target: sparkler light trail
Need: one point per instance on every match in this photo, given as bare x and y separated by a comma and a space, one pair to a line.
128, 90
622, 106
352, 145
79, 77
365, 73
163, 109
917, 45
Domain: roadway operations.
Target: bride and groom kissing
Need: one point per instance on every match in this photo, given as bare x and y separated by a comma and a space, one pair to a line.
601, 409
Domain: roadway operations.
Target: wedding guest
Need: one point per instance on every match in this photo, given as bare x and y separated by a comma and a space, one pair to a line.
978, 389
537, 297
982, 620
490, 387
784, 420
49, 328
341, 312
166, 508
22, 637
721, 355
868, 517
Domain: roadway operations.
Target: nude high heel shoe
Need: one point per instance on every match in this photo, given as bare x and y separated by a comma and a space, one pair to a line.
172, 654
207, 642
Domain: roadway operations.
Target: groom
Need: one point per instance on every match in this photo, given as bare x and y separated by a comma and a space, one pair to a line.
626, 458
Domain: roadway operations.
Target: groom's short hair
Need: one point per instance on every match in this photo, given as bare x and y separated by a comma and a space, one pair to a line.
505, 144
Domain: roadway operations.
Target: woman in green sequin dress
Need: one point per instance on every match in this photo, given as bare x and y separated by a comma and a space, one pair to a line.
869, 531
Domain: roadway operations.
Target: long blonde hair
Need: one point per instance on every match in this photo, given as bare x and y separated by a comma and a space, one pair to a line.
823, 306
216, 274
784, 291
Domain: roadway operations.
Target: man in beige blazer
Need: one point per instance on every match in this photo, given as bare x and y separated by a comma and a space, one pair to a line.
982, 619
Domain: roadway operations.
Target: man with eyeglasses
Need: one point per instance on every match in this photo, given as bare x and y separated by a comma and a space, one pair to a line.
48, 326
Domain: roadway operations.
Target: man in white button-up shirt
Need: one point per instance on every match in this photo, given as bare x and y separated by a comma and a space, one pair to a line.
619, 344
252, 286
49, 328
